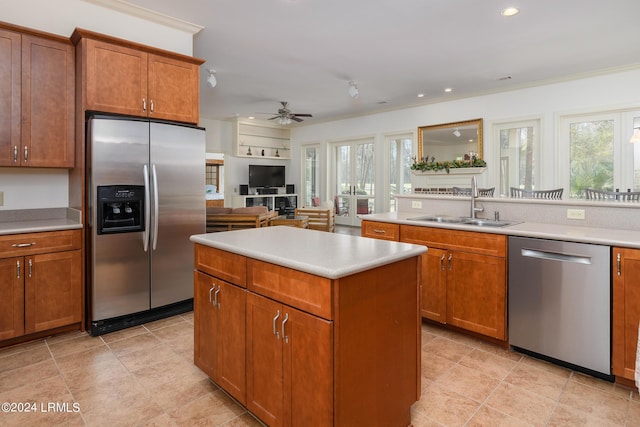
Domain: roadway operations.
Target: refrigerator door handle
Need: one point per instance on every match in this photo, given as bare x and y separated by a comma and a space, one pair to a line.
145, 235
154, 177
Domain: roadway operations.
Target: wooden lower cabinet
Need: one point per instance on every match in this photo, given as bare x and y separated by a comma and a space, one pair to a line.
464, 281
319, 352
220, 333
289, 379
41, 291
433, 298
12, 300
626, 311
380, 230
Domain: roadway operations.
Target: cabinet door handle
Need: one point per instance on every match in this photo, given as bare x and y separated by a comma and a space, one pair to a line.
275, 330
26, 153
17, 269
450, 258
15, 154
284, 322
23, 245
378, 231
30, 267
144, 104
210, 292
619, 261
442, 262
217, 303
151, 106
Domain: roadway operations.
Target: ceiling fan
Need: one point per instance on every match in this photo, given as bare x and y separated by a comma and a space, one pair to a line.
285, 116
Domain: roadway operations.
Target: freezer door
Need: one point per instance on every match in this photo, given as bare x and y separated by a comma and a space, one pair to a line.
119, 266
178, 198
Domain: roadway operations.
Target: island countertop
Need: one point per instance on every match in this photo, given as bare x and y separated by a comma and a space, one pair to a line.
329, 255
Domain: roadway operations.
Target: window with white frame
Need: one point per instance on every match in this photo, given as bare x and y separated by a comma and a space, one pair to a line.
311, 175
595, 152
399, 152
519, 155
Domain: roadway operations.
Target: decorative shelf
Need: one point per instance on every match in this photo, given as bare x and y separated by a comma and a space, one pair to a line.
452, 171
259, 138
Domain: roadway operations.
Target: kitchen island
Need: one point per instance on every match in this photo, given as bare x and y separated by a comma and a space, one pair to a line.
310, 328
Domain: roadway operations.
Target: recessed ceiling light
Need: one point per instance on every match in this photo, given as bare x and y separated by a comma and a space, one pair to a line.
510, 11
251, 117
448, 90
421, 95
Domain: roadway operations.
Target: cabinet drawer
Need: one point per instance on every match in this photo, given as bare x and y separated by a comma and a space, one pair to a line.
37, 243
222, 264
463, 241
300, 290
380, 230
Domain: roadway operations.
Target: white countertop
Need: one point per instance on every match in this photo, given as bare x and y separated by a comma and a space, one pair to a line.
38, 220
595, 235
329, 255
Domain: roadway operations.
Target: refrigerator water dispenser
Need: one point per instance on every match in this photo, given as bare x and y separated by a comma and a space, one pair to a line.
120, 208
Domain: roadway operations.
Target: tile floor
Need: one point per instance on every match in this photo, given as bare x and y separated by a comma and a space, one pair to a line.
144, 376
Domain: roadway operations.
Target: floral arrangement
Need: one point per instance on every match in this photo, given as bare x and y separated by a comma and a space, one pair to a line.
426, 165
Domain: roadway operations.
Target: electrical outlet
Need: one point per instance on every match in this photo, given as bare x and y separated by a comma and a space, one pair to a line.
575, 213
416, 204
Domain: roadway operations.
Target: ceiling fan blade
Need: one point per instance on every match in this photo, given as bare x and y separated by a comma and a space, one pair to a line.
295, 119
303, 115
273, 118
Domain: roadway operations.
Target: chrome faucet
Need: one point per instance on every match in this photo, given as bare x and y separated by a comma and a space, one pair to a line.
474, 194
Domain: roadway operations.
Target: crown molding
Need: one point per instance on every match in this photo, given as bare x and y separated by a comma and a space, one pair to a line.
148, 14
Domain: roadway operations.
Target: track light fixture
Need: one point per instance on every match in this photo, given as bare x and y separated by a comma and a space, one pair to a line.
211, 80
353, 90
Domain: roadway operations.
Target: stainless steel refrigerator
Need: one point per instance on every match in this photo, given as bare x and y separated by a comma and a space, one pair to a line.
146, 196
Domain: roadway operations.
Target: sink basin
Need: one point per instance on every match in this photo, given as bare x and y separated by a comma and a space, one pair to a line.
482, 222
439, 218
479, 222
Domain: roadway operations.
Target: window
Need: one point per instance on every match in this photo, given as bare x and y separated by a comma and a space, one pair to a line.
399, 150
519, 148
311, 175
595, 152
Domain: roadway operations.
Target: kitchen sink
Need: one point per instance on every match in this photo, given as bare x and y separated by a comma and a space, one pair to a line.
478, 222
439, 218
482, 222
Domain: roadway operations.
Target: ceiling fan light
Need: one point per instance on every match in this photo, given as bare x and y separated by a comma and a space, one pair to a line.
353, 90
284, 120
211, 80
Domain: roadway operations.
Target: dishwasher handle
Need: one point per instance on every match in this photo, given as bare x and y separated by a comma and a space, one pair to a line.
554, 256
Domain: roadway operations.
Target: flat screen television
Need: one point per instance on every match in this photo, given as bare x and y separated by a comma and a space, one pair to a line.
266, 176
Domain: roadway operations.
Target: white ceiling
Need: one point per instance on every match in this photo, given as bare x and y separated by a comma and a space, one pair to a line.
306, 51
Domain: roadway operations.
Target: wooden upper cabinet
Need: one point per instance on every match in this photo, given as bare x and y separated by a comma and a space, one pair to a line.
37, 95
10, 79
174, 89
116, 78
128, 78
48, 96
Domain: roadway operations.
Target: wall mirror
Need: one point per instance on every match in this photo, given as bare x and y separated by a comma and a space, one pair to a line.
450, 141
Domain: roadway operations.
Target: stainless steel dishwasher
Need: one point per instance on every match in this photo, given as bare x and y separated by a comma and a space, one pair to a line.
560, 302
